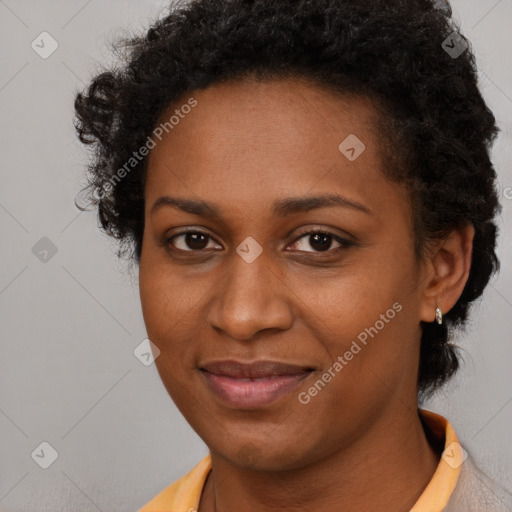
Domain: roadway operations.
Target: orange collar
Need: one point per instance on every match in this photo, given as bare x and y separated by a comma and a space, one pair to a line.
184, 494
442, 484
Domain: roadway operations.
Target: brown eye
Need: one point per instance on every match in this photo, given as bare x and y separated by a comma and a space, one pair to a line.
321, 241
190, 241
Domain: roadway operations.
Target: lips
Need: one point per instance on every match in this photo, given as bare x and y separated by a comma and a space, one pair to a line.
252, 385
255, 370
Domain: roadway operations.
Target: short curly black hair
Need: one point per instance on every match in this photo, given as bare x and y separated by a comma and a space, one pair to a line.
407, 55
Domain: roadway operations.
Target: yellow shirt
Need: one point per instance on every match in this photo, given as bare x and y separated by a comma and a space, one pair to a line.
184, 494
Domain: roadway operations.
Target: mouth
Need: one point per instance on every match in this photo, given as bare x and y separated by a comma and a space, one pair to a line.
252, 385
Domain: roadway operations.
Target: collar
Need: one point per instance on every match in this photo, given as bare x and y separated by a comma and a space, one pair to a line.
442, 484
184, 494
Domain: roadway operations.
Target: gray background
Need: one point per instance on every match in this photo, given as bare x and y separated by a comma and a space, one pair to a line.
68, 375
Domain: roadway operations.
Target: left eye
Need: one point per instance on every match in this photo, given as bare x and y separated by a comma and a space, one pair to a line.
320, 241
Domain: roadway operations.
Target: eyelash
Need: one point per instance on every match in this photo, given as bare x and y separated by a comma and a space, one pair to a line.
344, 243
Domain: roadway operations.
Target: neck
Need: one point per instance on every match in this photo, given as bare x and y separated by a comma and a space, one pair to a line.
386, 469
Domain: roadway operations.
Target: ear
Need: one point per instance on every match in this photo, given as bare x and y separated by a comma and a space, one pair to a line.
447, 270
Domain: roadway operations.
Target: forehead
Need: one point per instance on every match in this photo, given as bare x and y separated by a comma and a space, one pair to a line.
282, 111
254, 140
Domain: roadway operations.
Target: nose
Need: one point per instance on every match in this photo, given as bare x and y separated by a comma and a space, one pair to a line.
251, 297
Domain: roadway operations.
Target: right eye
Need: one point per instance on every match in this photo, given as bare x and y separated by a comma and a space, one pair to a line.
195, 241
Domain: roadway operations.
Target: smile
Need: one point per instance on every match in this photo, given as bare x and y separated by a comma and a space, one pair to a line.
251, 386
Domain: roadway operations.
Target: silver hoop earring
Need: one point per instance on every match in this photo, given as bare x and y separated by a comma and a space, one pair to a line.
439, 316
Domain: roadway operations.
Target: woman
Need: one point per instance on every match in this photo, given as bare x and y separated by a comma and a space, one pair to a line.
307, 190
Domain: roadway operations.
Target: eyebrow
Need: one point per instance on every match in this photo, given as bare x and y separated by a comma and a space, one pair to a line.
282, 207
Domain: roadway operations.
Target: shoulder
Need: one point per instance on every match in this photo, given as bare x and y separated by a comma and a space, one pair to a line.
184, 494
477, 492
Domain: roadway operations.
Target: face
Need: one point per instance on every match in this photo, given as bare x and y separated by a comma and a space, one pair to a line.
287, 325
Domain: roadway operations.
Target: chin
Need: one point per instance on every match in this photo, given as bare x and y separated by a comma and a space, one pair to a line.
264, 457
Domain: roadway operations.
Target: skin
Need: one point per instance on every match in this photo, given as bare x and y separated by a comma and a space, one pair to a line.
244, 146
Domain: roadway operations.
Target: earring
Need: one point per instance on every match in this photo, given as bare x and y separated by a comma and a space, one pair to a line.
439, 316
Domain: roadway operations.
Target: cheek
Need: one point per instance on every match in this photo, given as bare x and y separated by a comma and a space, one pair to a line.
152, 297
172, 306
166, 298
369, 365
367, 318
165, 304
344, 307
